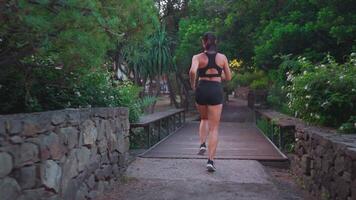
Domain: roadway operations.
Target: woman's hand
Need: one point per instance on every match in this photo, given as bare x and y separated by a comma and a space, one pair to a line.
223, 77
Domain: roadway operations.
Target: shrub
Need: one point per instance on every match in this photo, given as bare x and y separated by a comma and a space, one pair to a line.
326, 93
259, 83
247, 78
53, 89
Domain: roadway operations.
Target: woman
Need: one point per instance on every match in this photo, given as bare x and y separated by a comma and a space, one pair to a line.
211, 67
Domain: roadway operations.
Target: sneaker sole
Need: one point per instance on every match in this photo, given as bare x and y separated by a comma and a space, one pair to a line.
210, 168
201, 151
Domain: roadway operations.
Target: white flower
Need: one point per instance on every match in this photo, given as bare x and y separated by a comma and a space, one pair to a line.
353, 54
78, 93
306, 105
355, 124
305, 72
328, 82
1, 86
342, 76
295, 113
308, 96
317, 116
281, 87
290, 77
353, 89
311, 114
306, 87
324, 104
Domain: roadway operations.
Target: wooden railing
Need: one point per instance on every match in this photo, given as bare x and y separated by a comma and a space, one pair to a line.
155, 126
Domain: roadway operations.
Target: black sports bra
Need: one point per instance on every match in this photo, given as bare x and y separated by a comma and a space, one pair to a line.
211, 65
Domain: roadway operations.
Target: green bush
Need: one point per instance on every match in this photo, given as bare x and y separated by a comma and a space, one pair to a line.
281, 79
326, 93
349, 126
247, 78
260, 84
53, 89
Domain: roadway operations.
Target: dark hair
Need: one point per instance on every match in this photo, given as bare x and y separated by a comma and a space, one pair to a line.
209, 40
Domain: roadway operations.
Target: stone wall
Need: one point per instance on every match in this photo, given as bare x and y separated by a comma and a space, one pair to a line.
67, 154
325, 163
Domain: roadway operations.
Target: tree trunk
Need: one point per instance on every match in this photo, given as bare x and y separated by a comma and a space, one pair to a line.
172, 94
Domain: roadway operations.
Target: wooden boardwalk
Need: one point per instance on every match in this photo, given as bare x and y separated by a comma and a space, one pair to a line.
239, 138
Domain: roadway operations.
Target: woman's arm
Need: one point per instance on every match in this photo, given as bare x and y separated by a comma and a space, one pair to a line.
193, 71
227, 71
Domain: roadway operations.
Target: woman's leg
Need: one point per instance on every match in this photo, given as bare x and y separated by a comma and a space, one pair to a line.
203, 128
214, 120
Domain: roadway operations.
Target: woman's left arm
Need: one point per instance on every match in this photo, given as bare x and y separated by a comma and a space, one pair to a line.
227, 71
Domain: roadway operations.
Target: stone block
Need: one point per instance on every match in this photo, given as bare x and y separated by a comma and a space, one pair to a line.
91, 182
73, 116
6, 164
114, 157
51, 174
58, 118
38, 194
2, 127
82, 155
339, 164
104, 159
69, 136
50, 146
104, 172
342, 188
82, 193
306, 164
69, 168
14, 126
103, 146
94, 163
101, 129
9, 189
93, 194
31, 128
351, 152
28, 177
116, 170
353, 190
69, 191
353, 170
28, 154
89, 132
16, 139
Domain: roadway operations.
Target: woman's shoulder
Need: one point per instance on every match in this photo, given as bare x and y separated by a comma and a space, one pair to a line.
221, 55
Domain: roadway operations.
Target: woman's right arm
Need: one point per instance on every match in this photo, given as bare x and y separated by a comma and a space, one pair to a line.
193, 71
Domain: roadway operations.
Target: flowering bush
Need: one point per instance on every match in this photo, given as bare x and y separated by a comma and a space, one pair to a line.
324, 94
236, 65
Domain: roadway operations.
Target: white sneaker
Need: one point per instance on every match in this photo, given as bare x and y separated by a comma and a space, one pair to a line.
202, 149
210, 166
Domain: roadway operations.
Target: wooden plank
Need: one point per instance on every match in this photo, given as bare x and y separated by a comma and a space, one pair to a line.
236, 141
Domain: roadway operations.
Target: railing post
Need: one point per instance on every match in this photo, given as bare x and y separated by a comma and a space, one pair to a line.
159, 130
148, 131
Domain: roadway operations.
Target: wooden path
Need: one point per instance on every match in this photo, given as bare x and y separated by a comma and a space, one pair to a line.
239, 138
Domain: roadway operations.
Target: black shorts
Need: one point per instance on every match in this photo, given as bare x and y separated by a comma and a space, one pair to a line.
209, 93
